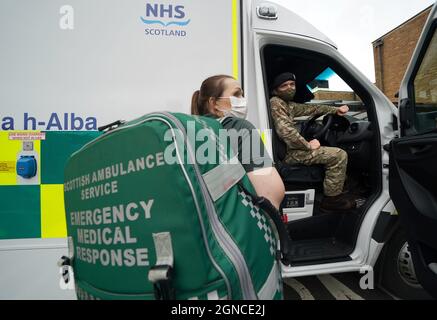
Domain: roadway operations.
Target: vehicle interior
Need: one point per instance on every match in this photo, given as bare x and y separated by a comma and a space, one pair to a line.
326, 236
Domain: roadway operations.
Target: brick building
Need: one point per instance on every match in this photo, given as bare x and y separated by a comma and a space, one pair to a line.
335, 95
392, 53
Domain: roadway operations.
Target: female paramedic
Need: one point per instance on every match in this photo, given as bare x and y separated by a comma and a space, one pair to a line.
221, 97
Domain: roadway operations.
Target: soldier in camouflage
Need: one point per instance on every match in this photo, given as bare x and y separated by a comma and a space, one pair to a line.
284, 110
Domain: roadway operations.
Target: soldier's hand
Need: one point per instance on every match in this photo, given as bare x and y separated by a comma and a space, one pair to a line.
314, 144
342, 110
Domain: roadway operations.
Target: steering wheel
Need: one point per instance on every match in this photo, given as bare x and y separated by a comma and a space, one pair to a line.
312, 130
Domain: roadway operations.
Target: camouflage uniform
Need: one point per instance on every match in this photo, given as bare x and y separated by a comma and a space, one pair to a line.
299, 150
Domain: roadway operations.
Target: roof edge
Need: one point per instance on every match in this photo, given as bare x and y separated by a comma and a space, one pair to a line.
403, 23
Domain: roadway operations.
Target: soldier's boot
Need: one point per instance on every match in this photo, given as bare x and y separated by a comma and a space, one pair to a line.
340, 203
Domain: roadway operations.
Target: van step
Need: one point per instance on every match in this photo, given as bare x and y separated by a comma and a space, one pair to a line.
319, 251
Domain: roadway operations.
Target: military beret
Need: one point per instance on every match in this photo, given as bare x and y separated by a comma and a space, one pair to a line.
280, 79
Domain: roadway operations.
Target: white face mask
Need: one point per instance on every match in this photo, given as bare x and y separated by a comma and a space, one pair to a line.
238, 107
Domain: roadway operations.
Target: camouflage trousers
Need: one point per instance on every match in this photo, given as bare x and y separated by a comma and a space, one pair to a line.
334, 160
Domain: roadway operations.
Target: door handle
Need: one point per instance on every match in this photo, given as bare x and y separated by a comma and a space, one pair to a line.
420, 150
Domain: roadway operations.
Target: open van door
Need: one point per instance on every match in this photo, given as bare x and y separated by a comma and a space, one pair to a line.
413, 157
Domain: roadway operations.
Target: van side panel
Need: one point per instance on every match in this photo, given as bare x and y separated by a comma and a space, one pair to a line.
68, 69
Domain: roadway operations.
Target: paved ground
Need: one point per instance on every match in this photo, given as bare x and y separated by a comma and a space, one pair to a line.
342, 286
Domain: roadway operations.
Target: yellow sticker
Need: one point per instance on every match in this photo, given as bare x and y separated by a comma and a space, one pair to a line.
10, 151
7, 166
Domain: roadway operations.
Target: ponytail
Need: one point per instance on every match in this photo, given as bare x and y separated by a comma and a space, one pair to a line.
195, 103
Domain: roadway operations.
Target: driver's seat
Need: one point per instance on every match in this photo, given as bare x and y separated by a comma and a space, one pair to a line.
298, 175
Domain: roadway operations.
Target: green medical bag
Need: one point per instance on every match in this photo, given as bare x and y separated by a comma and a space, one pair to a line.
159, 208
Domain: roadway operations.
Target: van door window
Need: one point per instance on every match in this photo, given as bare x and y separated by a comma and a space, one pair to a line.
328, 88
425, 90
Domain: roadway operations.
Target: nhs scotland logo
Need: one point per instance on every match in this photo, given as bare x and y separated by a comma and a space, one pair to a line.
165, 20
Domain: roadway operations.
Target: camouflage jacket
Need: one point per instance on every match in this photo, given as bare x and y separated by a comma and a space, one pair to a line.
283, 115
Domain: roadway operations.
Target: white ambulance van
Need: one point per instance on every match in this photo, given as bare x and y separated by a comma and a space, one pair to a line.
68, 69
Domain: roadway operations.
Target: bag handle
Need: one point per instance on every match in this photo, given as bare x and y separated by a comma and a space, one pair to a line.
161, 274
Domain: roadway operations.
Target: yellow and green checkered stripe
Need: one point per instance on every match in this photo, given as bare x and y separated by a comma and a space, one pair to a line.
36, 211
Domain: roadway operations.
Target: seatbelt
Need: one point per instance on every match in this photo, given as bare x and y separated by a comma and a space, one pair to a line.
161, 274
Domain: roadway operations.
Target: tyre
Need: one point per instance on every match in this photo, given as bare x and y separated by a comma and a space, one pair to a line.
397, 271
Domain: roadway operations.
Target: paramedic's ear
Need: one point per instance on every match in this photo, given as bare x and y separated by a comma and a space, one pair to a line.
212, 105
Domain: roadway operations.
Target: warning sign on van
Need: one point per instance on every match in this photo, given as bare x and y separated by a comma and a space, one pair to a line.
25, 136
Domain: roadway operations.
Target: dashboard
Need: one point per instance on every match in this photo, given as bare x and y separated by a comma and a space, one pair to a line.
353, 137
